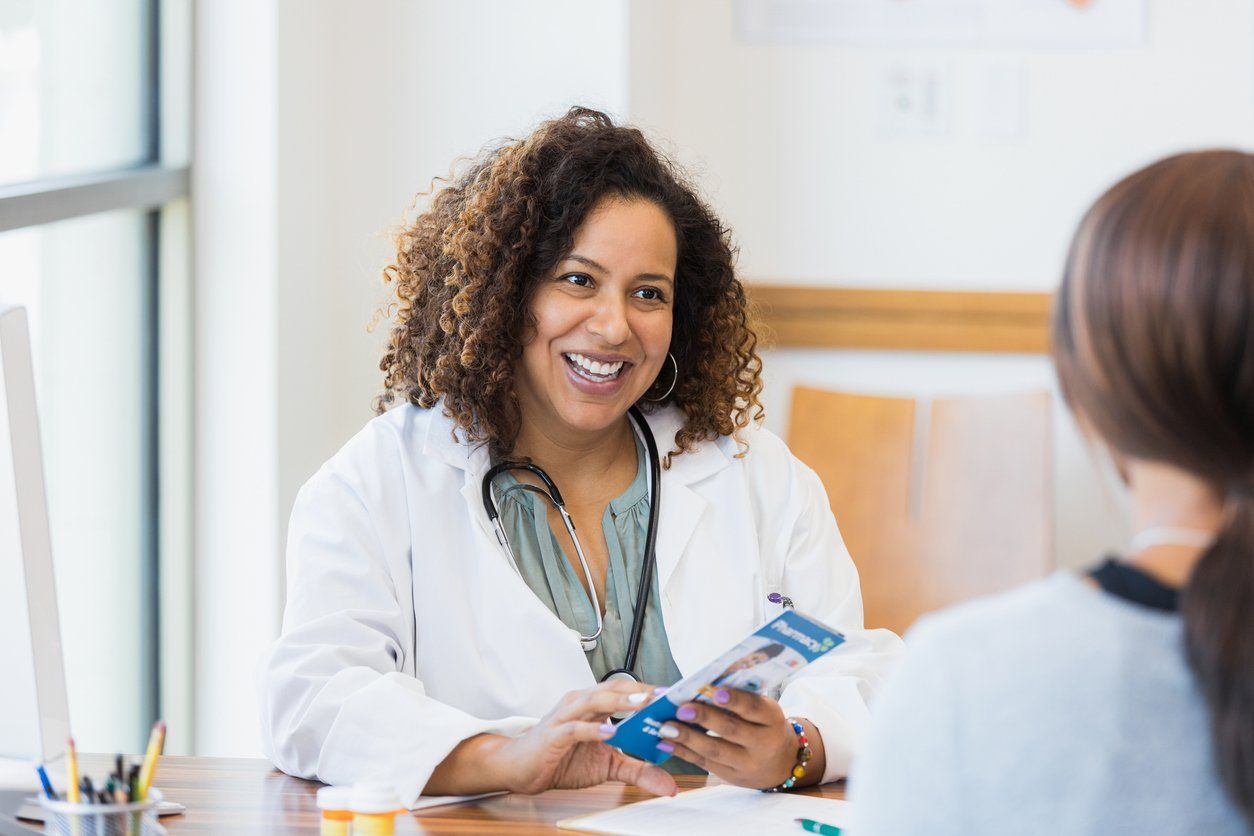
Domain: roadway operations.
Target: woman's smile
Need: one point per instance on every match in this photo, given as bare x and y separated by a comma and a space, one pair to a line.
593, 376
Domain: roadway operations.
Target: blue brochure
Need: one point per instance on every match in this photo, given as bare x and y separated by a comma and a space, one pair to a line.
760, 664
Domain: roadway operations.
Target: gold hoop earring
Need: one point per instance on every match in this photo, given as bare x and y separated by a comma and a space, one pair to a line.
674, 380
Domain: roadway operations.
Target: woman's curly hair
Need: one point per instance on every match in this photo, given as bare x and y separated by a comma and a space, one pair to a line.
467, 267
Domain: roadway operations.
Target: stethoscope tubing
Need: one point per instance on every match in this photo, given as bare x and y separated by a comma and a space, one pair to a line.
588, 642
650, 547
650, 544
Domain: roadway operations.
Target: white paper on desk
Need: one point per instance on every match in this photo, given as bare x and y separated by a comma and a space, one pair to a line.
723, 809
425, 801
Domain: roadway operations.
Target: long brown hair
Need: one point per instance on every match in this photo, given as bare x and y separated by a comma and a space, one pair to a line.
466, 269
1153, 337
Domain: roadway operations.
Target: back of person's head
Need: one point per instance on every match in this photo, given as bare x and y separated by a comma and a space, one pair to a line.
1153, 338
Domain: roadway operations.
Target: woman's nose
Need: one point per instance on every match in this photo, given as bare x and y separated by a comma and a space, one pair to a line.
609, 322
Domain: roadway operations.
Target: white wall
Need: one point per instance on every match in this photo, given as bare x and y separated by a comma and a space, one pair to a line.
372, 107
788, 141
235, 266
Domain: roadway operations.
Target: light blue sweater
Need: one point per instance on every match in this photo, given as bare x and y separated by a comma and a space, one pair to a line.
1053, 709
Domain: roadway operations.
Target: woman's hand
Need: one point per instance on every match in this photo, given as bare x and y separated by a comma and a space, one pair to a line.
755, 747
566, 749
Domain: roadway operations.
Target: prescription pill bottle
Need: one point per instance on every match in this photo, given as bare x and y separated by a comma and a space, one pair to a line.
335, 803
374, 809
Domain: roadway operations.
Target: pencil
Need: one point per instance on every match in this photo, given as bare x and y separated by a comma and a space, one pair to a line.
71, 773
155, 741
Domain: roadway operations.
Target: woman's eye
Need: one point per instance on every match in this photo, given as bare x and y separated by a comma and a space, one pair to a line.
579, 279
652, 294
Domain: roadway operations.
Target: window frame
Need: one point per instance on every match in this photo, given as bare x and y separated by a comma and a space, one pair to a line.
151, 186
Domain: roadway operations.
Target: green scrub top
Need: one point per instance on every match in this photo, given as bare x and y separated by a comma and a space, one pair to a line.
558, 584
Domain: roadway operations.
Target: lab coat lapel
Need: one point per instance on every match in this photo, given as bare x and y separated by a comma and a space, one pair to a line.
472, 492
682, 506
447, 442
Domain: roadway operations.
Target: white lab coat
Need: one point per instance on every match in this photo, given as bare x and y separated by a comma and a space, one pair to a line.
407, 629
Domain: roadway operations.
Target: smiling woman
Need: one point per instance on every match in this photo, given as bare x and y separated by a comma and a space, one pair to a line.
503, 233
446, 626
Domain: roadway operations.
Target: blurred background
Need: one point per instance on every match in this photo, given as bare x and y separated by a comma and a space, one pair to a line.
196, 200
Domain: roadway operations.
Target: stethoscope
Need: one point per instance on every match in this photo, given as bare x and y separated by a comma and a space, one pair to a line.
589, 643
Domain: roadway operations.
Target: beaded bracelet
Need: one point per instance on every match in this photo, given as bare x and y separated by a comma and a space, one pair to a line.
804, 754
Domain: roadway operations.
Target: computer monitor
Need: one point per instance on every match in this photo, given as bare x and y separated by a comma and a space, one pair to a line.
34, 709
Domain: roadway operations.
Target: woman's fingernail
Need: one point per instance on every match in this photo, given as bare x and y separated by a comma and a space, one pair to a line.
666, 747
607, 729
686, 713
637, 698
669, 731
660, 690
722, 697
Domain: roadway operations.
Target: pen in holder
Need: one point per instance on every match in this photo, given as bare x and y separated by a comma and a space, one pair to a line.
135, 819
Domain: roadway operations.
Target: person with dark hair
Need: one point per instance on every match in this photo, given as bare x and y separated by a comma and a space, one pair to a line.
763, 654
1120, 700
566, 501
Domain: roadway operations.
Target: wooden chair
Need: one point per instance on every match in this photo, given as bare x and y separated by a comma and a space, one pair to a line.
938, 500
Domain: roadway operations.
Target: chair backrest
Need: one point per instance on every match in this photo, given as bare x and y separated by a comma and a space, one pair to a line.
938, 499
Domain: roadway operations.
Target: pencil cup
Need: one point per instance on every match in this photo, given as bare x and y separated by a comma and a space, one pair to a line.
137, 819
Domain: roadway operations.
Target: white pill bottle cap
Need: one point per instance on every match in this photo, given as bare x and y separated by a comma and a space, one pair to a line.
374, 798
335, 798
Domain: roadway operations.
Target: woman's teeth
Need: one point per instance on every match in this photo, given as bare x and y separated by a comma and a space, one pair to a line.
593, 370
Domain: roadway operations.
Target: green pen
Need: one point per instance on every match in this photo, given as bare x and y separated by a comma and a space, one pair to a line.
818, 827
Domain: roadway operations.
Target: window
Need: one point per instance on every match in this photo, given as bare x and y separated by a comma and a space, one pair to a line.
94, 97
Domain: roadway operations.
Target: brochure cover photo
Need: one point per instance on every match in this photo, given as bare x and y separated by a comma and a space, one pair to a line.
759, 664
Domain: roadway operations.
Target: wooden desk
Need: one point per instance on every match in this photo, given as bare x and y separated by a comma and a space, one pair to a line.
247, 795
